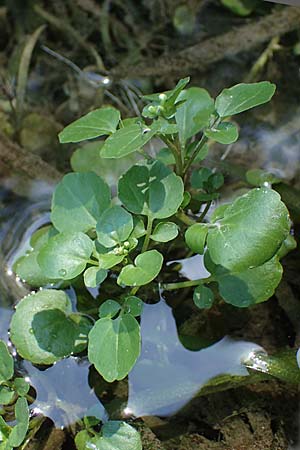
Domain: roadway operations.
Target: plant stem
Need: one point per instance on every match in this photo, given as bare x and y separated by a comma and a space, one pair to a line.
94, 263
198, 147
185, 284
204, 212
185, 218
148, 234
176, 153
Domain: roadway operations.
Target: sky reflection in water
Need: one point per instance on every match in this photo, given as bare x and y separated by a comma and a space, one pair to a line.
167, 375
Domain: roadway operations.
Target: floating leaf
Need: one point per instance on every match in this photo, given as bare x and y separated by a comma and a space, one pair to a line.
224, 133
6, 363
126, 140
203, 297
195, 237
115, 435
44, 330
93, 276
65, 255
243, 96
164, 232
152, 190
78, 201
146, 267
194, 114
251, 231
96, 123
114, 226
114, 346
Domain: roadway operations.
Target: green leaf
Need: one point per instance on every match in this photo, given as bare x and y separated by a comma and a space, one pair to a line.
203, 297
195, 237
224, 133
78, 201
93, 276
110, 258
44, 330
241, 7
114, 346
66, 255
21, 386
7, 396
146, 267
152, 190
139, 228
96, 123
19, 431
126, 140
287, 246
250, 286
219, 212
164, 232
109, 308
27, 266
194, 114
251, 231
87, 159
200, 177
115, 435
133, 305
243, 96
6, 363
165, 156
114, 226
4, 432
259, 177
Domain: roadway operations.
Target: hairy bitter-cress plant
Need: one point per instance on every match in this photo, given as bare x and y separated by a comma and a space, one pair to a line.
95, 236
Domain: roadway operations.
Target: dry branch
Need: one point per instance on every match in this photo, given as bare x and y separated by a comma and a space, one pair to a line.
204, 54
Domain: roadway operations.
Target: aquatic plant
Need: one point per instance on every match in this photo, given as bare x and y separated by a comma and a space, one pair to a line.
162, 199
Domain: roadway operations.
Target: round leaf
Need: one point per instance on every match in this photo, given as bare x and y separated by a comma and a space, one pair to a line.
96, 123
224, 133
251, 231
93, 276
114, 346
114, 226
133, 305
114, 435
42, 328
164, 232
195, 237
203, 297
243, 96
6, 363
78, 201
65, 256
152, 190
109, 308
146, 267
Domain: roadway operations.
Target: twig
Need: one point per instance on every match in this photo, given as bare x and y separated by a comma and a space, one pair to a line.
206, 53
21, 160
